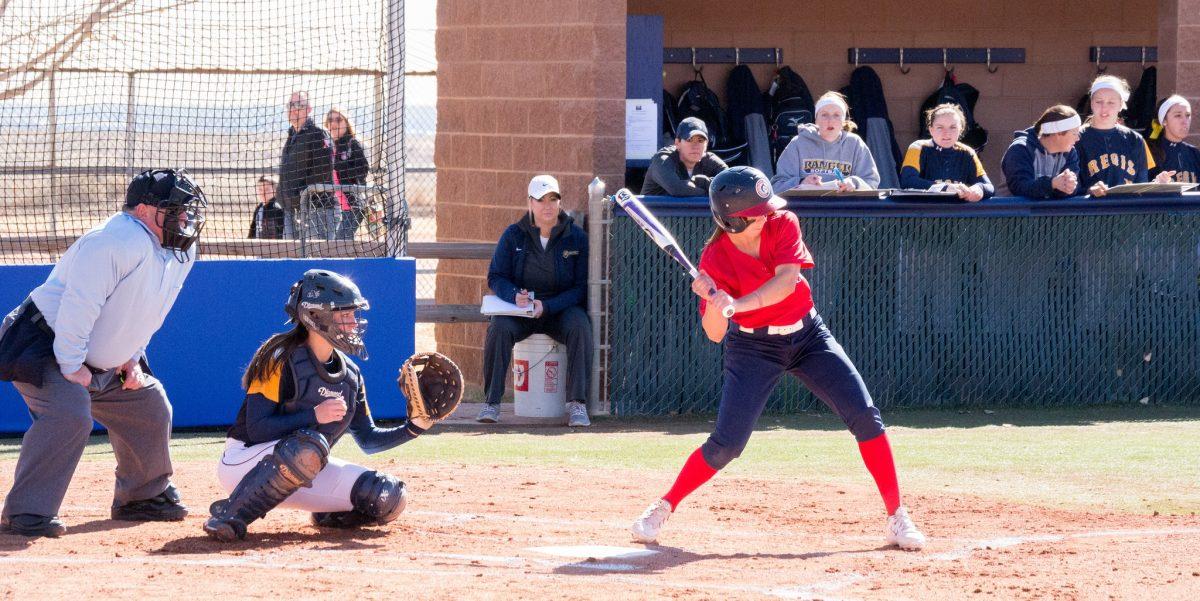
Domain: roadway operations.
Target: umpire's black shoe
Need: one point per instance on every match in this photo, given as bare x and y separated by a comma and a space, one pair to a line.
28, 524
165, 507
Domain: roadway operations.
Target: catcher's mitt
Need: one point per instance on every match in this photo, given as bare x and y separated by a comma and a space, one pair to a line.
433, 385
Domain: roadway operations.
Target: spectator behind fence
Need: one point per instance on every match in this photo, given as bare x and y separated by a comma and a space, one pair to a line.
1042, 161
827, 151
307, 159
1111, 154
349, 168
267, 222
541, 259
1167, 141
943, 162
76, 351
685, 168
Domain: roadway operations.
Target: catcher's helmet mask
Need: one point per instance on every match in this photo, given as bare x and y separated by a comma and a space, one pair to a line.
317, 297
740, 192
174, 194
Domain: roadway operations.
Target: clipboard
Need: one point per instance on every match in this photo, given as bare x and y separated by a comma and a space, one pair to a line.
918, 193
1150, 188
820, 193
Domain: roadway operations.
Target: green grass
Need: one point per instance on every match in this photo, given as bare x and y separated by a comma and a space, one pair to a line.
1132, 459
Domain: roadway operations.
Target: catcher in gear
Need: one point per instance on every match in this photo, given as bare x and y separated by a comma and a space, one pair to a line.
303, 392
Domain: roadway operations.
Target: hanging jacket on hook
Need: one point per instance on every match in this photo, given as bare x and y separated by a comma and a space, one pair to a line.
868, 109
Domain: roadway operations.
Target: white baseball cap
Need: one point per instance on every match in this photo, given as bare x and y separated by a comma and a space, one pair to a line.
542, 185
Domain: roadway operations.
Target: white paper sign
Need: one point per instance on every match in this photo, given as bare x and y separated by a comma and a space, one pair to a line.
641, 128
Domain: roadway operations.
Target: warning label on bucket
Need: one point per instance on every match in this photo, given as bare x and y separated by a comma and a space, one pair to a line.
552, 376
521, 375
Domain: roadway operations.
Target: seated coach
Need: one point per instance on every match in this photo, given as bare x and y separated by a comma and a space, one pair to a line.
541, 260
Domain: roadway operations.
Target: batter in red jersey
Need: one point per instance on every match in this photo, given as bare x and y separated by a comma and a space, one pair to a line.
753, 261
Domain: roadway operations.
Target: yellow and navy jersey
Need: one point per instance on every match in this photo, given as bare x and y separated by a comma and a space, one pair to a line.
926, 164
285, 401
1180, 157
1114, 156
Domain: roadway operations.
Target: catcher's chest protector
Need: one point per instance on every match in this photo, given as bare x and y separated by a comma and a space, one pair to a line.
314, 386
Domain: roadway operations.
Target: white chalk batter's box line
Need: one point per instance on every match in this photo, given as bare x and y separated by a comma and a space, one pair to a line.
821, 590
818, 590
451, 518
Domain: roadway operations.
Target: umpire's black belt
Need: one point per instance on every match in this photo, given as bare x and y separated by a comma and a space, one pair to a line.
801, 324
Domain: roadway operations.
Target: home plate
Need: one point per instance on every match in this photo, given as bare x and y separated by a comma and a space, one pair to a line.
595, 552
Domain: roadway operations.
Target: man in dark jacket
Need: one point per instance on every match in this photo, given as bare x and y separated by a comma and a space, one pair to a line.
540, 260
685, 168
267, 221
307, 159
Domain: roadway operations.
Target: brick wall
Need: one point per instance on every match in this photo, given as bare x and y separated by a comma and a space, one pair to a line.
1055, 35
524, 87
1179, 51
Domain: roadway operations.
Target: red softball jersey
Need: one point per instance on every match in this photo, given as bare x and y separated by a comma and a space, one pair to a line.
740, 274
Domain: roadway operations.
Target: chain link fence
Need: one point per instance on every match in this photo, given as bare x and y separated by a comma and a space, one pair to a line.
94, 92
1063, 310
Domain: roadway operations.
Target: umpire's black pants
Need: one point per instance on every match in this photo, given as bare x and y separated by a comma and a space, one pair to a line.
570, 327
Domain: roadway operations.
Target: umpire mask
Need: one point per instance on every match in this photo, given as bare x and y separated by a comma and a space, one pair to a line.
317, 297
180, 203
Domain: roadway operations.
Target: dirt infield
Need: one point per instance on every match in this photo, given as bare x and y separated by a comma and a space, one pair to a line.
511, 532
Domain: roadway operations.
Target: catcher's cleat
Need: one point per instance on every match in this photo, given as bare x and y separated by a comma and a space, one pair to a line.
28, 524
645, 529
902, 532
164, 507
343, 519
225, 529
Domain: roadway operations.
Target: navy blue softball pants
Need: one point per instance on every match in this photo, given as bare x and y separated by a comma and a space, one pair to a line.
753, 364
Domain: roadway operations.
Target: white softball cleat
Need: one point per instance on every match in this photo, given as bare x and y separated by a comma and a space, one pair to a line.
902, 532
645, 529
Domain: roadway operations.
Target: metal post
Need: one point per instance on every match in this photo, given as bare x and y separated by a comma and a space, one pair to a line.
130, 125
597, 291
302, 222
52, 117
393, 132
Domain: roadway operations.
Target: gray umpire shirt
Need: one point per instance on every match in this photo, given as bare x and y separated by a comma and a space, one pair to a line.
110, 293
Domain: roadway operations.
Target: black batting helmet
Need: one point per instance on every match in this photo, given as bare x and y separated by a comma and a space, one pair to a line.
317, 296
740, 192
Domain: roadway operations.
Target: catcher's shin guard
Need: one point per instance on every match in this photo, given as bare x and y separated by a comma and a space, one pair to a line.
294, 463
377, 499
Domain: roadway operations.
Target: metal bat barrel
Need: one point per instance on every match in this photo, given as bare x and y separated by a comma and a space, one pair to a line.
660, 235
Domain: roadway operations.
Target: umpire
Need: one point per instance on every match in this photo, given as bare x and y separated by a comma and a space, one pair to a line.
76, 351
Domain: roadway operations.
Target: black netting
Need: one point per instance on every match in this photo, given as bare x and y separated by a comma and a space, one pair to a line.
939, 312
94, 92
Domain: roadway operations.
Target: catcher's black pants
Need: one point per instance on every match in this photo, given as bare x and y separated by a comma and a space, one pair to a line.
570, 327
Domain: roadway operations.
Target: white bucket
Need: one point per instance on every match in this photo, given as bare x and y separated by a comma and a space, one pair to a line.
539, 377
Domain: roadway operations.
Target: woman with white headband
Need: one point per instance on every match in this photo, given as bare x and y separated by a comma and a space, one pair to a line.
1042, 161
1111, 154
827, 151
1173, 155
